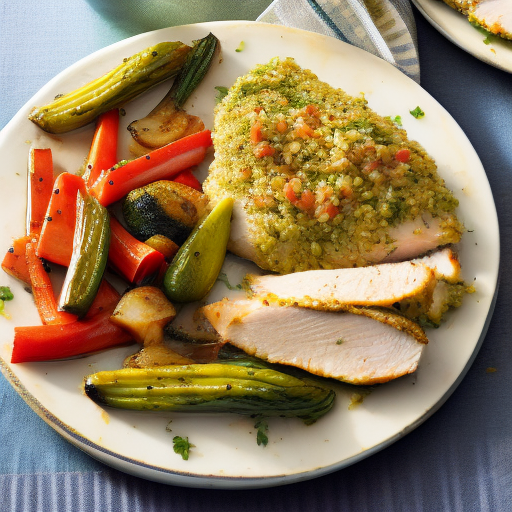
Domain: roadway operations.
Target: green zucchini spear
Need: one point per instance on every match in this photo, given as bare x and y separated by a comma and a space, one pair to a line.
89, 258
135, 75
223, 388
167, 121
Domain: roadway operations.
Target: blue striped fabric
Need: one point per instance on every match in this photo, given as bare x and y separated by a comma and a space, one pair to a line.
385, 28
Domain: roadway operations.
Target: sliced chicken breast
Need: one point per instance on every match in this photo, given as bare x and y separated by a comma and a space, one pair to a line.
380, 285
347, 346
494, 15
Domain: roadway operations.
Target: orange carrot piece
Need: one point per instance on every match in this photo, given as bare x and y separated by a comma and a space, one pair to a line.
14, 262
103, 152
132, 259
56, 239
40, 184
42, 290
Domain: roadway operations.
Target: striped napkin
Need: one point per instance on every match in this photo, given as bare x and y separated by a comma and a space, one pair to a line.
385, 28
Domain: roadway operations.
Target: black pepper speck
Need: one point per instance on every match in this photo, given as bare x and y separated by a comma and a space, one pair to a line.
11, 249
56, 191
110, 182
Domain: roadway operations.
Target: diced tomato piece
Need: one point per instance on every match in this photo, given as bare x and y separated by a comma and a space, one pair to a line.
263, 149
403, 155
256, 133
290, 193
306, 201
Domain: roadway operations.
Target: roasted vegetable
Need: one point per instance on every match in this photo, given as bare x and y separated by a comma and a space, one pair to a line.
161, 164
135, 75
144, 312
163, 245
211, 388
132, 259
40, 185
195, 268
163, 208
167, 121
89, 259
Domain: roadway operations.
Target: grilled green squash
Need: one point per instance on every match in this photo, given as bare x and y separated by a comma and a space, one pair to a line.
222, 388
132, 77
163, 208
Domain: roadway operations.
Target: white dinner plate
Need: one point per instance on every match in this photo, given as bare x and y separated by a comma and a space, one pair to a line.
225, 452
493, 50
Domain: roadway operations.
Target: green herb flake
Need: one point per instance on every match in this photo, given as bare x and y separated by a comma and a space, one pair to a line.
487, 40
241, 47
417, 113
224, 278
261, 436
356, 399
397, 120
5, 293
223, 91
339, 341
120, 164
182, 446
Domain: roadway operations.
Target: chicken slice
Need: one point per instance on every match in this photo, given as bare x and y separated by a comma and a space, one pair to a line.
347, 346
493, 15
444, 263
380, 285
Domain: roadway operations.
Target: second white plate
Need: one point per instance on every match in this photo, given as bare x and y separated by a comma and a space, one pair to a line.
456, 27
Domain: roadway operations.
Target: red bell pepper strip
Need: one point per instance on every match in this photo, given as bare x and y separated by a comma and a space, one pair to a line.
132, 259
49, 342
56, 239
42, 290
106, 298
162, 163
103, 152
14, 262
187, 178
40, 184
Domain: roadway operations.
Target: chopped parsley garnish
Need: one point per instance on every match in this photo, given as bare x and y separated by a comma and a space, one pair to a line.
261, 436
223, 91
119, 164
397, 120
417, 113
182, 446
339, 341
241, 47
5, 295
224, 278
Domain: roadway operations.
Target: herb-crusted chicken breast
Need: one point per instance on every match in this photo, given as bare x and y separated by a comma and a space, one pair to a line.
319, 179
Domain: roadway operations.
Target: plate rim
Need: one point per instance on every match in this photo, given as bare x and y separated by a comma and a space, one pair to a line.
129, 465
420, 5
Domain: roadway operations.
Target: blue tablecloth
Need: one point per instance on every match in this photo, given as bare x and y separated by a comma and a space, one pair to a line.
459, 460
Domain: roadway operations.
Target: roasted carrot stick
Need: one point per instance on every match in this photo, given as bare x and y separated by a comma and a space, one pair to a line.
40, 184
162, 163
103, 152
